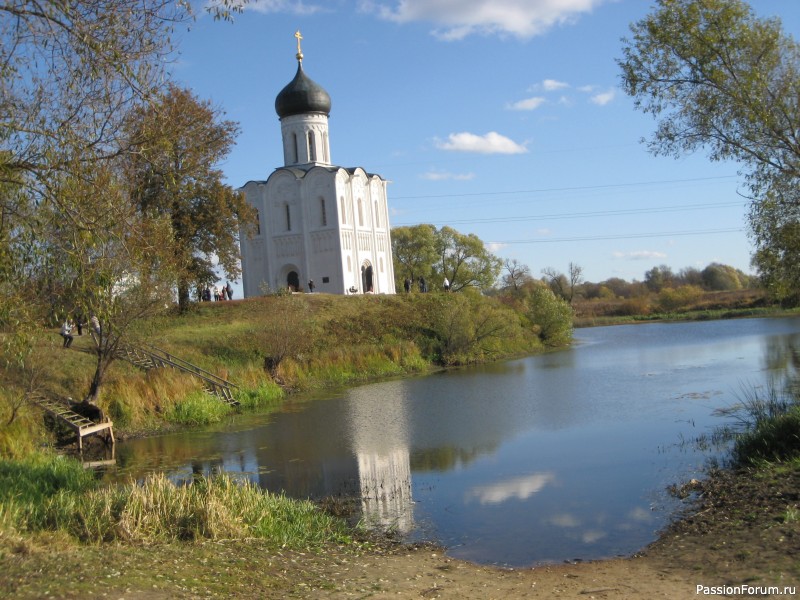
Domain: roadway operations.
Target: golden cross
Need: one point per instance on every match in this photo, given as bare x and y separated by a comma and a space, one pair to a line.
299, 37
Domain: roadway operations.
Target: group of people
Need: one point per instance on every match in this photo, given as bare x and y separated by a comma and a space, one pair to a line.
217, 293
423, 285
69, 325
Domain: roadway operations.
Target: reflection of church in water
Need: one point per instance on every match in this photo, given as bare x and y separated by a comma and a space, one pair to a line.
316, 221
358, 450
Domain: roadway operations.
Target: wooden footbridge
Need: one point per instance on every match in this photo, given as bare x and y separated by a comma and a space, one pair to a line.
78, 423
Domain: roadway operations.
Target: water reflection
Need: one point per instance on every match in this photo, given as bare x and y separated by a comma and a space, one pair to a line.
554, 457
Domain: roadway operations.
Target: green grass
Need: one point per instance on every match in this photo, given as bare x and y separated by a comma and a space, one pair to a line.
56, 495
197, 409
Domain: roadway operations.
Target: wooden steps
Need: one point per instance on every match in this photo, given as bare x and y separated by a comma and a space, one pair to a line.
150, 357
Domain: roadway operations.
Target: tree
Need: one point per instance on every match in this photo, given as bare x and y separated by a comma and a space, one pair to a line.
658, 278
413, 252
287, 332
114, 265
717, 77
717, 277
551, 315
562, 285
516, 276
464, 260
175, 147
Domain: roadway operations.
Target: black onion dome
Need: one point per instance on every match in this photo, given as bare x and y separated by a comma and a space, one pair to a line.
301, 96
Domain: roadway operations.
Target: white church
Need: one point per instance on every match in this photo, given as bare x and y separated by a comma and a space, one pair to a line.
316, 221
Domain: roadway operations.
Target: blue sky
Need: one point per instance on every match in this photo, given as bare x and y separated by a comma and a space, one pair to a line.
502, 118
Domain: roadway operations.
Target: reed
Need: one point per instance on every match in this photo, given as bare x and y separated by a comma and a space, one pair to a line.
53, 495
766, 424
197, 408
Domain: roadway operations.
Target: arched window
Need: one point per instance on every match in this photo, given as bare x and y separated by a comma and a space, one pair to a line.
258, 222
377, 216
312, 150
342, 210
360, 213
294, 148
288, 217
349, 265
325, 147
322, 213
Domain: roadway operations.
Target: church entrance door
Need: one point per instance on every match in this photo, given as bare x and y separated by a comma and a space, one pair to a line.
293, 281
366, 277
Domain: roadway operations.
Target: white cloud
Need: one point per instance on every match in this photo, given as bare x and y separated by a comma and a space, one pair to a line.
495, 247
551, 85
527, 104
544, 232
491, 143
564, 520
591, 536
445, 176
603, 98
461, 18
639, 255
521, 488
294, 7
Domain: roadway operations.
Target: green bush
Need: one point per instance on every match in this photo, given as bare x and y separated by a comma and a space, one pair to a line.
551, 315
670, 299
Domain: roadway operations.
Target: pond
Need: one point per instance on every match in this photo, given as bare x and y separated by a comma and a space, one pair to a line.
562, 456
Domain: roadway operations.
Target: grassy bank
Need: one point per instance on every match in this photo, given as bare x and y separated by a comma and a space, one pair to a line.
45, 496
270, 347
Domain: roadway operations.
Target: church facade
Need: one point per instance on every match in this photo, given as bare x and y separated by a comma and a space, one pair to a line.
316, 221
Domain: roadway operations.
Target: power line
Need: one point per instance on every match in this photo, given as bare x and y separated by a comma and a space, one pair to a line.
582, 215
631, 236
567, 189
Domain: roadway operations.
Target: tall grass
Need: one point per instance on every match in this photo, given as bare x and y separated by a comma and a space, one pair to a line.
197, 408
766, 425
57, 495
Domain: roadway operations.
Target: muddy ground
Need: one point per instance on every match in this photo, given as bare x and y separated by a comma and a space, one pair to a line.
738, 531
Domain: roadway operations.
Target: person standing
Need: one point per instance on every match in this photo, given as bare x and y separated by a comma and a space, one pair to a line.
229, 289
310, 286
423, 286
407, 285
66, 333
446, 284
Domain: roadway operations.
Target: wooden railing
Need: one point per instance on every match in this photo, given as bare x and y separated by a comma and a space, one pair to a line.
148, 357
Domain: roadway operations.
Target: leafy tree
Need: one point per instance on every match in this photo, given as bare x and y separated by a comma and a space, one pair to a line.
413, 252
717, 77
175, 147
658, 278
464, 260
467, 330
551, 315
717, 277
422, 250
112, 263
